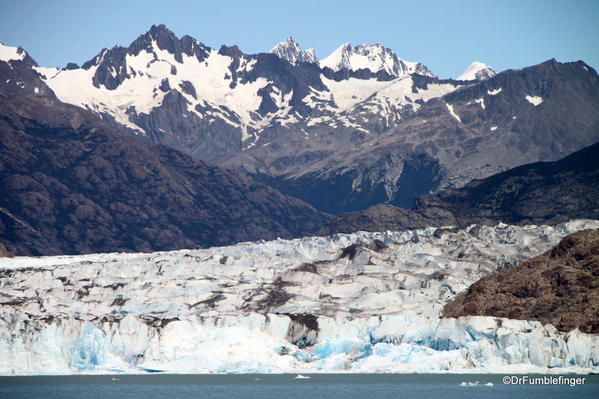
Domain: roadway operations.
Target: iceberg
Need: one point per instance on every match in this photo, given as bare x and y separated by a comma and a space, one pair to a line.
362, 302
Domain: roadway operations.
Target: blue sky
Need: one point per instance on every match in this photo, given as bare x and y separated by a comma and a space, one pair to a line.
444, 35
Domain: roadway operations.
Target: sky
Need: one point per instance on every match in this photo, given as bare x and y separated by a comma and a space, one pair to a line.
444, 35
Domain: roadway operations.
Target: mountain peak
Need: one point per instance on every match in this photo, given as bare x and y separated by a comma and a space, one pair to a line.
291, 51
154, 29
477, 71
160, 32
8, 53
375, 57
162, 35
112, 66
290, 40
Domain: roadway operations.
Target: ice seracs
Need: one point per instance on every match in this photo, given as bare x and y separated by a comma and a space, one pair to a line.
291, 51
477, 71
363, 302
374, 57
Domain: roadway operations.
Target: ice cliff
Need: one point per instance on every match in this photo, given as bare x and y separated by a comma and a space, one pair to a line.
363, 302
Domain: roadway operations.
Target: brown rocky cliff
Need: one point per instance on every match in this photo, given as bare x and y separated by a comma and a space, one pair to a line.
72, 183
560, 287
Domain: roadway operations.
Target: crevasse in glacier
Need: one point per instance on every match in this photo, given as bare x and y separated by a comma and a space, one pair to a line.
363, 302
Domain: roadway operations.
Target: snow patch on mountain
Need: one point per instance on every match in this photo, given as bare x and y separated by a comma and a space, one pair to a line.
351, 91
363, 302
8, 53
360, 100
401, 91
477, 71
534, 100
452, 112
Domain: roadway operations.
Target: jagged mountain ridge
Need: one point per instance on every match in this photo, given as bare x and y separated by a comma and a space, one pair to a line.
373, 57
340, 140
539, 113
18, 73
291, 51
210, 103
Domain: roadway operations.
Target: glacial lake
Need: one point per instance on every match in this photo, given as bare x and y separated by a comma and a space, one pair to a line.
267, 386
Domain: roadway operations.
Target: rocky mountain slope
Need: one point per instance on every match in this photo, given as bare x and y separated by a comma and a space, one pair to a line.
541, 193
539, 113
358, 128
73, 183
560, 287
18, 74
367, 302
218, 104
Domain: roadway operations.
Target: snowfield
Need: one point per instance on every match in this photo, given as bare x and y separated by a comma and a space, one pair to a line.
363, 302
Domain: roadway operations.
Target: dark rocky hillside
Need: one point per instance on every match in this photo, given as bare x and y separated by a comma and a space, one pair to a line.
539, 193
72, 183
539, 113
560, 287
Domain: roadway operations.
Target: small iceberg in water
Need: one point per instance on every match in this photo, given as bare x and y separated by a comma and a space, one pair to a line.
301, 377
475, 384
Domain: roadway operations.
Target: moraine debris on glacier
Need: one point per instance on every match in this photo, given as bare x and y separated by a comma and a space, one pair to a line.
363, 302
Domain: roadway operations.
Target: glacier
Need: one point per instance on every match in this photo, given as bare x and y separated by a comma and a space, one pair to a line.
362, 302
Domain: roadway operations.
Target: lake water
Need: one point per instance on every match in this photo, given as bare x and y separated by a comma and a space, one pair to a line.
266, 386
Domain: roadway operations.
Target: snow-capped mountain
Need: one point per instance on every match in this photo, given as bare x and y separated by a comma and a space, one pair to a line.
365, 302
374, 57
203, 88
291, 51
358, 126
472, 132
17, 73
217, 103
8, 53
477, 71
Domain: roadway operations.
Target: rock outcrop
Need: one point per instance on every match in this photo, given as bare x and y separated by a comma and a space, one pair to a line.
560, 287
539, 193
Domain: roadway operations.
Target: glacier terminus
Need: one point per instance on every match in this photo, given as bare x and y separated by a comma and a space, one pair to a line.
361, 302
